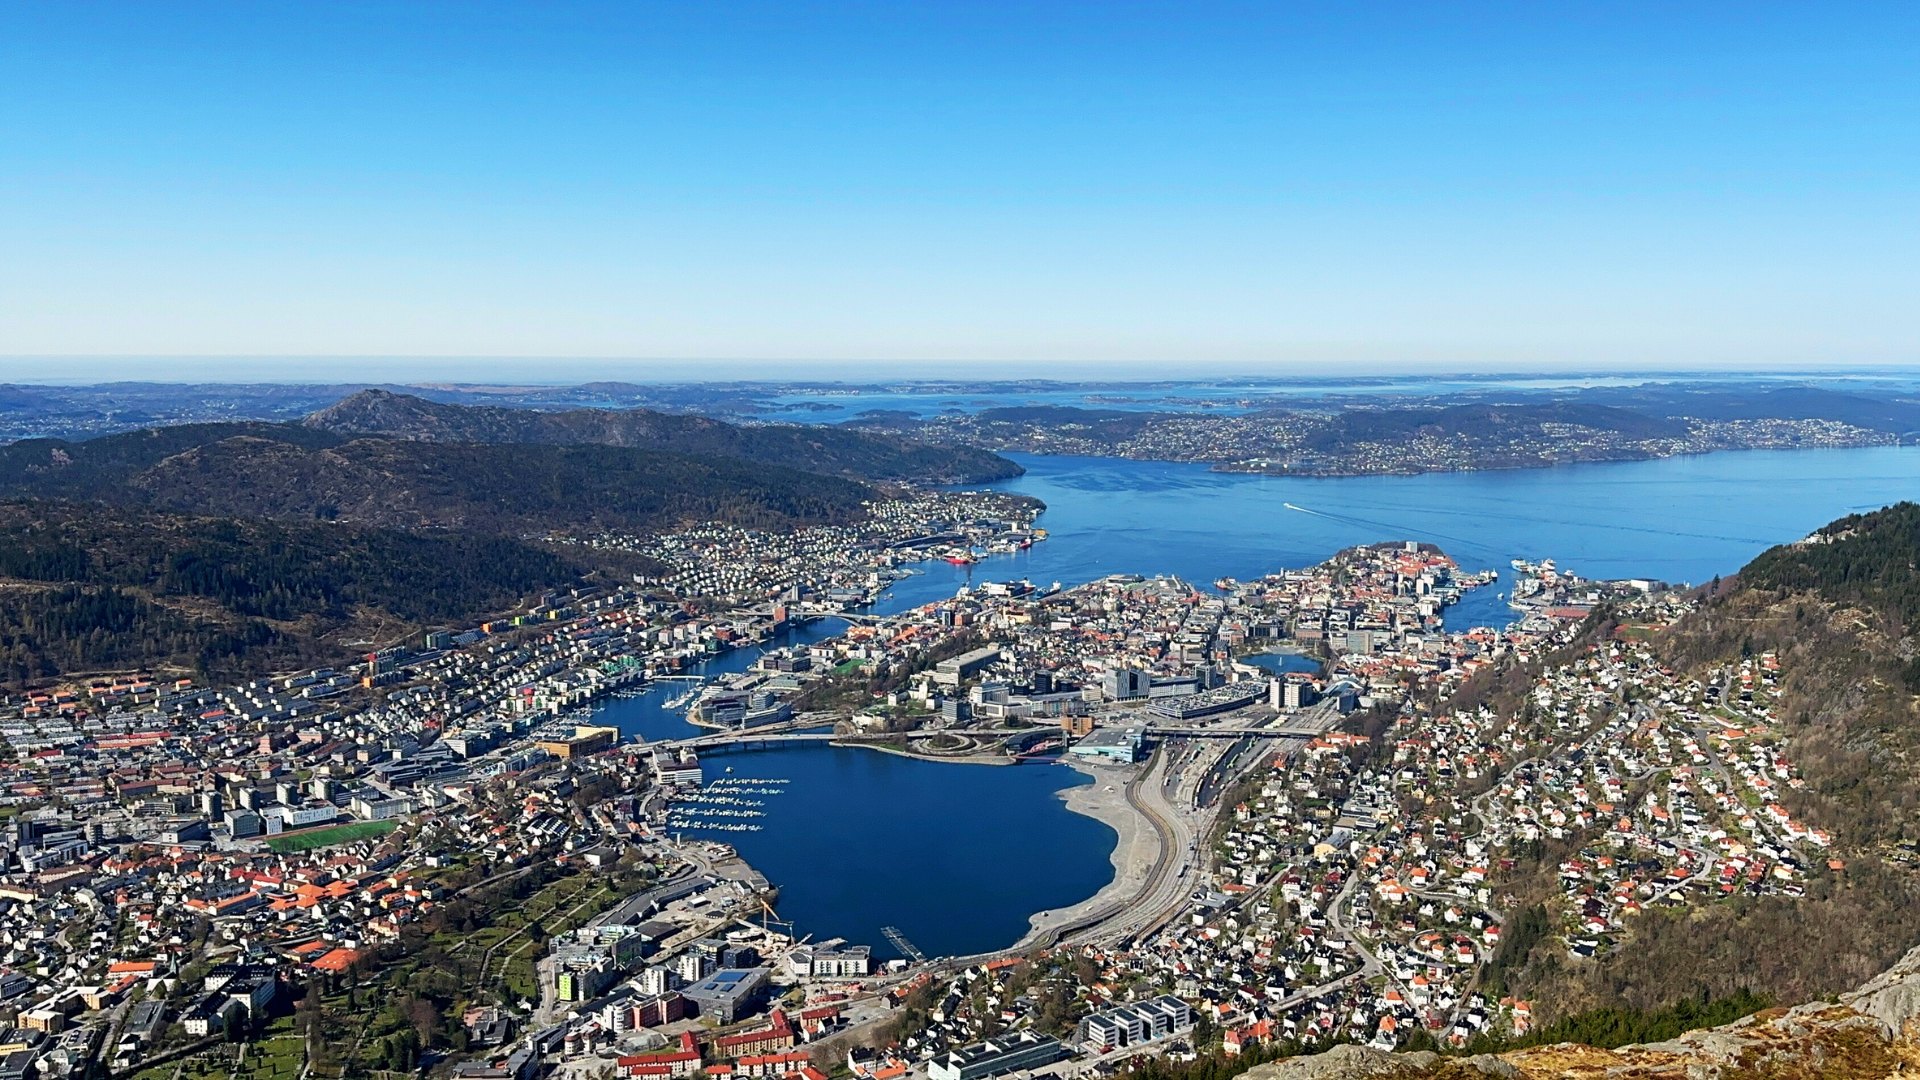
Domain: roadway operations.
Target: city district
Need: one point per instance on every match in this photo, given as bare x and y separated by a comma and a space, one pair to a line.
437, 857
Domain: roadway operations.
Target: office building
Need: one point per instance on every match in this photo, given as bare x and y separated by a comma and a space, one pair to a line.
728, 994
966, 665
996, 1057
1131, 1025
1125, 684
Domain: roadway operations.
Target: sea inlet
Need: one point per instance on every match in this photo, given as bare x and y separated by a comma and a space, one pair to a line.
958, 857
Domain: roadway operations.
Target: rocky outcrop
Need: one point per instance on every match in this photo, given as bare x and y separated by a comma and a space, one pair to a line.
1892, 998
1869, 1033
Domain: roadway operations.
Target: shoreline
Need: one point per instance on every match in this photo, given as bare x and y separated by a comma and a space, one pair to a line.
1135, 851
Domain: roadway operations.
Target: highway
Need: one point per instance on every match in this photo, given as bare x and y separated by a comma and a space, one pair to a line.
1169, 879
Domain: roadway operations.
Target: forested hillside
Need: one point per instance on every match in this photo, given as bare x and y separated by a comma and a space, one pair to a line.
86, 587
509, 489
1839, 611
296, 473
233, 548
828, 450
1865, 562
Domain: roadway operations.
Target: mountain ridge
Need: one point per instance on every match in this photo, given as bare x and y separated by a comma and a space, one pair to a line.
828, 450
91, 587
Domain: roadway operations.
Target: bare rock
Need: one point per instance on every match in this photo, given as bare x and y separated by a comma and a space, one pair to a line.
1347, 1063
1891, 997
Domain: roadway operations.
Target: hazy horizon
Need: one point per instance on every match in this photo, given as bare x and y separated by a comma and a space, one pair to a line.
561, 371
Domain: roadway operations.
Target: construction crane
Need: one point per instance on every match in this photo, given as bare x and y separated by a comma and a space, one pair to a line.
771, 920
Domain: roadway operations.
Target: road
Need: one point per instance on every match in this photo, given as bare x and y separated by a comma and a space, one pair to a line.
1178, 795
1169, 879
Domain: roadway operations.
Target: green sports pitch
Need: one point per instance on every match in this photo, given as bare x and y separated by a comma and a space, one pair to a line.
309, 839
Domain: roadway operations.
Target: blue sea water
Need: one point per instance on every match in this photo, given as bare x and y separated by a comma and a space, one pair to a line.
860, 839
646, 716
1682, 519
958, 856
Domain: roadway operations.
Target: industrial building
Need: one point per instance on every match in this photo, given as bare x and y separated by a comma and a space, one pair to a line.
1108, 744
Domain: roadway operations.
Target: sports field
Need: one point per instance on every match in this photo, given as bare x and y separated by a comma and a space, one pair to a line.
334, 834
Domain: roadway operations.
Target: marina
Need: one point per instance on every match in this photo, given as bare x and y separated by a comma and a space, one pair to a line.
728, 804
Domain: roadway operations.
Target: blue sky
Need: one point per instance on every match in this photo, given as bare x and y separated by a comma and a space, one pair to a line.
1187, 186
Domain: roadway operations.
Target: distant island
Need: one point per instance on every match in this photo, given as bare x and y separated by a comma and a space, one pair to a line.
1389, 440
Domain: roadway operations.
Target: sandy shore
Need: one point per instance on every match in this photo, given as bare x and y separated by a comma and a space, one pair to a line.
1105, 800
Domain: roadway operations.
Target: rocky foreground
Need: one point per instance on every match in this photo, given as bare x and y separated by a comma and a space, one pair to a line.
1871, 1032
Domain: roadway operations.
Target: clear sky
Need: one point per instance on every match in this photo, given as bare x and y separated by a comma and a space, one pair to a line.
1196, 185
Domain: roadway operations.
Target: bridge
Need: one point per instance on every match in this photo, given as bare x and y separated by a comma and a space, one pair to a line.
775, 734
748, 741
867, 617
786, 731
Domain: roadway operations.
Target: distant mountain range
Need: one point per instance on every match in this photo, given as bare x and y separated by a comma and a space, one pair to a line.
392, 460
833, 451
1356, 426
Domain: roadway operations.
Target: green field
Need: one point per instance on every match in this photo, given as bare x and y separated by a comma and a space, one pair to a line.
327, 837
